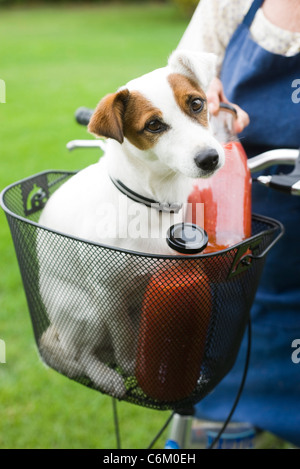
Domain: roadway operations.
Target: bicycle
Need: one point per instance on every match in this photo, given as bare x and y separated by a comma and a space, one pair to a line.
23, 201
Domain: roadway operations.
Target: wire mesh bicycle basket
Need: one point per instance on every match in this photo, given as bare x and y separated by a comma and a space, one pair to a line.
156, 331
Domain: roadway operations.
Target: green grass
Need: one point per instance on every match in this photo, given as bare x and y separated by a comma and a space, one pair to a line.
54, 60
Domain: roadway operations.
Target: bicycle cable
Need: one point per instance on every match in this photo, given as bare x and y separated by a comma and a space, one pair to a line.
239, 391
116, 423
161, 430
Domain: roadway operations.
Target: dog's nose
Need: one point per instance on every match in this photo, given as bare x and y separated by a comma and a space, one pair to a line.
207, 159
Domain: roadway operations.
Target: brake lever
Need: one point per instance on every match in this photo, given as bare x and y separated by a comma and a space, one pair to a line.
288, 183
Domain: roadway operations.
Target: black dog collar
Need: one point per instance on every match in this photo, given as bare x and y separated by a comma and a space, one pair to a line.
160, 207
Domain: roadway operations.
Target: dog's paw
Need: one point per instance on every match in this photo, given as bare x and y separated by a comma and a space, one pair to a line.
113, 384
55, 355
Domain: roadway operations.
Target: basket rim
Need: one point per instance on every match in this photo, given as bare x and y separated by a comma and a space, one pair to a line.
274, 226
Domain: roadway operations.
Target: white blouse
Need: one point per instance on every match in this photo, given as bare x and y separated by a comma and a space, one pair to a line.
215, 21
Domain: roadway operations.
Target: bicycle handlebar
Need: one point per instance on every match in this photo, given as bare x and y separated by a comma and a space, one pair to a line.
83, 115
289, 183
273, 157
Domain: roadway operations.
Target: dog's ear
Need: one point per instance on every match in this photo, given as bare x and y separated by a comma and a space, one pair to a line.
198, 66
107, 120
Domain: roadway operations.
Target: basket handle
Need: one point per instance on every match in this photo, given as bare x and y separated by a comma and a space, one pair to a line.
269, 247
243, 257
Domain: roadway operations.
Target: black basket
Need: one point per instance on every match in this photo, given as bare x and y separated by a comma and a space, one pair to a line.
118, 321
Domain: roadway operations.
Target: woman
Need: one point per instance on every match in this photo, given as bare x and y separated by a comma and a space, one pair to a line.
258, 48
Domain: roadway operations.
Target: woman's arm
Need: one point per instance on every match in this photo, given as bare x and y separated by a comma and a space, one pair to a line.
213, 25
210, 30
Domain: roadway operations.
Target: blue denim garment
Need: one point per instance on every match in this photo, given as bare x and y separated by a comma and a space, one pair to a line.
261, 83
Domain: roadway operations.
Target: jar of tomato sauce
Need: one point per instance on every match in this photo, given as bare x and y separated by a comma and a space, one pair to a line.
227, 194
175, 319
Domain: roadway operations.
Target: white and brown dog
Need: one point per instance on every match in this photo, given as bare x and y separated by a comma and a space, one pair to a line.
159, 141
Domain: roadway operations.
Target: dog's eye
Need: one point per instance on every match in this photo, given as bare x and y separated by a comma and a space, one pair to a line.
196, 105
155, 126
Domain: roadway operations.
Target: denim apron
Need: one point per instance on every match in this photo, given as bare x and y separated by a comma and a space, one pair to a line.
261, 83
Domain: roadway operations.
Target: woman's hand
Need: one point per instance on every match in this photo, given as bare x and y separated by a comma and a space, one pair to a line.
215, 95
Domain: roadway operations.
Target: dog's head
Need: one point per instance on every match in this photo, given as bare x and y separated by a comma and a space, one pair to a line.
163, 116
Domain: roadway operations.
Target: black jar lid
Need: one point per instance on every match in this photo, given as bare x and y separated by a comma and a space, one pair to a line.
187, 238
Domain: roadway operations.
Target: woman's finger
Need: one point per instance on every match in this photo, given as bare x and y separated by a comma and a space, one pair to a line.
215, 95
242, 119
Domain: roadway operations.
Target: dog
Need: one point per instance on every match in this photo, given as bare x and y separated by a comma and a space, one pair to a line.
159, 140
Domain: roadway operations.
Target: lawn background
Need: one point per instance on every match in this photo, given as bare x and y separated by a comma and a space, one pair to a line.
53, 60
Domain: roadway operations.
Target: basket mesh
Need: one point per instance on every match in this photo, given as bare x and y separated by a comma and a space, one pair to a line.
160, 332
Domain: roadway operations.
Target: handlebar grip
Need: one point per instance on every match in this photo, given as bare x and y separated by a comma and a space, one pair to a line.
286, 183
289, 183
83, 115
